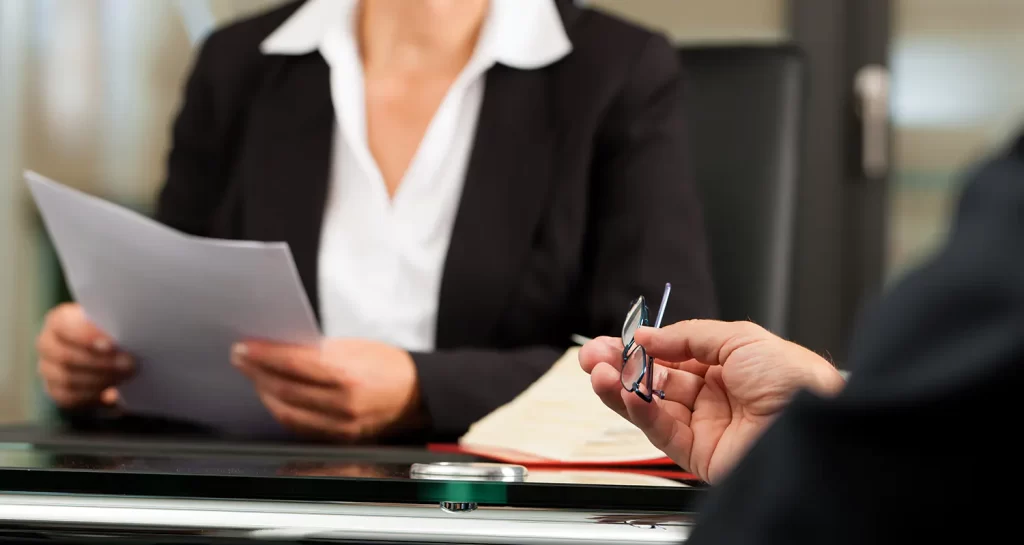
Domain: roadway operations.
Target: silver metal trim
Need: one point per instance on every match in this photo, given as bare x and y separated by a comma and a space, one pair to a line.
332, 521
476, 471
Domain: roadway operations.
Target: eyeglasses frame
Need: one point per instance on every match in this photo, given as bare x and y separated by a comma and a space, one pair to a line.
647, 373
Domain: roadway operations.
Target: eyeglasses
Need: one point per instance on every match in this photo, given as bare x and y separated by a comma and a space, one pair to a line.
637, 368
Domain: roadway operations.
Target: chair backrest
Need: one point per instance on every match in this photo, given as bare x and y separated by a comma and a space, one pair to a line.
746, 112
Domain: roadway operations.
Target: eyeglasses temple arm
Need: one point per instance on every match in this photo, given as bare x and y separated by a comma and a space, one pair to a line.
661, 307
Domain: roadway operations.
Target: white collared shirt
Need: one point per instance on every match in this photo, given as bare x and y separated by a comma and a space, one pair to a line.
381, 259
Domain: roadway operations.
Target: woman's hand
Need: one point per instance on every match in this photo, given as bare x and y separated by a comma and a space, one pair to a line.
348, 390
79, 364
724, 382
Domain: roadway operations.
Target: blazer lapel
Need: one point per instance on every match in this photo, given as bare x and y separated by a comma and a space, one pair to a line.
291, 132
502, 201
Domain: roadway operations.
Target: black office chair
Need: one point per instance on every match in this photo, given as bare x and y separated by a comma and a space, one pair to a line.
745, 105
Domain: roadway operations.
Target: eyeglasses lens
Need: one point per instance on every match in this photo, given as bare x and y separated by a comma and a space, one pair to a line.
633, 319
633, 368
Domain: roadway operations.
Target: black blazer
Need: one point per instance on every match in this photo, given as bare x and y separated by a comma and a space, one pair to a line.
578, 195
922, 445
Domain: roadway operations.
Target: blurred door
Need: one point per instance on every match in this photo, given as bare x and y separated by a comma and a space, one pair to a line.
846, 168
906, 96
841, 225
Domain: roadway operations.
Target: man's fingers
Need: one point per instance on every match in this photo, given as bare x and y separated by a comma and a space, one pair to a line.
690, 366
605, 380
608, 388
296, 363
708, 341
679, 386
601, 350
664, 430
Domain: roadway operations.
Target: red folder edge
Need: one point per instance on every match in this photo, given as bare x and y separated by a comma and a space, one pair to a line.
509, 456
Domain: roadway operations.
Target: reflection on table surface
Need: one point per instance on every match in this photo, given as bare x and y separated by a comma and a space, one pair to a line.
26, 456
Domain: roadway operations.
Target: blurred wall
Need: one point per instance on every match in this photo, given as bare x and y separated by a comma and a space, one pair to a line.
13, 251
705, 20
88, 92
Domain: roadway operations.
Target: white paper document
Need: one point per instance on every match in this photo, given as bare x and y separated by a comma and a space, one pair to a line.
177, 303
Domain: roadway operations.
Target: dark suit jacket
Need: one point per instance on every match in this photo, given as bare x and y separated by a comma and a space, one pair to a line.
578, 196
921, 447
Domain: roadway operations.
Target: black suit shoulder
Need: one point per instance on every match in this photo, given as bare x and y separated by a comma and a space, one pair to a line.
615, 51
596, 33
241, 39
227, 72
230, 62
925, 432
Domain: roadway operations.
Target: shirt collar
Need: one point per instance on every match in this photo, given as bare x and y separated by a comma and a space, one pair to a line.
524, 34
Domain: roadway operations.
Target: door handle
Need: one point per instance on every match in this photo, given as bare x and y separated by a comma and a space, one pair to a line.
872, 91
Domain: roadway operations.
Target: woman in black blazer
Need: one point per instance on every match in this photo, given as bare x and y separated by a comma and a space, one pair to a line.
464, 186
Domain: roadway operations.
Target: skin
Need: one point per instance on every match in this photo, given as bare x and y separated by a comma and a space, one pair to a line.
412, 53
724, 383
79, 364
345, 390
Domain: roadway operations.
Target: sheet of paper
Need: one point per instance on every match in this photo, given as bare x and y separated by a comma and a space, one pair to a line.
560, 418
177, 303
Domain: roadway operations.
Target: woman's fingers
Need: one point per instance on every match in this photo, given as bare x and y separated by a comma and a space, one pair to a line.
78, 363
307, 422
299, 394
71, 326
76, 358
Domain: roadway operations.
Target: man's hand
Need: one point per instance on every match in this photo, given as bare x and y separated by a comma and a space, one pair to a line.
347, 390
724, 382
79, 364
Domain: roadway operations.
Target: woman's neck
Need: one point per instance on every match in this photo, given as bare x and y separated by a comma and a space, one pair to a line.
419, 35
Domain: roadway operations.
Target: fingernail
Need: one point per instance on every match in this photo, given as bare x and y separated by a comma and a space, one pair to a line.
123, 362
101, 345
238, 353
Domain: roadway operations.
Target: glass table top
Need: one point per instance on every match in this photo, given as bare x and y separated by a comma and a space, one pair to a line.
203, 470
